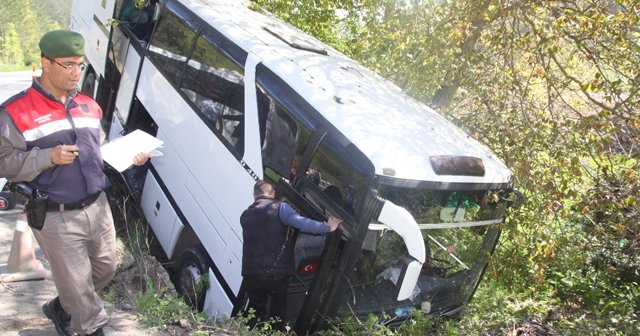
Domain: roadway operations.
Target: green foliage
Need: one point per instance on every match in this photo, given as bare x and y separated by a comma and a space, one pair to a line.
319, 18
351, 325
10, 46
157, 307
140, 3
30, 19
499, 310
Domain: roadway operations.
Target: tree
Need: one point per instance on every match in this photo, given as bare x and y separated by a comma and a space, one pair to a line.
31, 19
10, 50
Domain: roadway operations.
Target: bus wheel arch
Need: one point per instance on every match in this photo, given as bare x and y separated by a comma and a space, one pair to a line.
191, 276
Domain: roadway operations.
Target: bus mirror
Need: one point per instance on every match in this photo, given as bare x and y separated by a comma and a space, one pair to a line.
408, 278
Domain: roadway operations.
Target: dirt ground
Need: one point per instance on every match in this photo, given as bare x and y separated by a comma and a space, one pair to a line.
21, 302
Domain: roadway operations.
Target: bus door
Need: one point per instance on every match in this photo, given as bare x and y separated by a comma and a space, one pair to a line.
91, 19
321, 174
333, 177
125, 56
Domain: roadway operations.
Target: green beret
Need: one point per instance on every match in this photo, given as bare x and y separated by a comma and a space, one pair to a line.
62, 43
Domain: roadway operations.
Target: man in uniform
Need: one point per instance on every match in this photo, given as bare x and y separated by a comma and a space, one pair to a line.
50, 137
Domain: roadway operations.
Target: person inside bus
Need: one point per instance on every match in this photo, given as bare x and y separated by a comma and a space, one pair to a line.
267, 255
50, 137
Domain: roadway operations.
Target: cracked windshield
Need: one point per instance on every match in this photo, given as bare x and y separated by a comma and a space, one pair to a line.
457, 229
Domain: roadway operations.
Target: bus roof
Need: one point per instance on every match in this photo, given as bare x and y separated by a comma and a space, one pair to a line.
397, 133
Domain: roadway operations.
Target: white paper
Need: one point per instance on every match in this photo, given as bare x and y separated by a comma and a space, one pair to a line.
119, 153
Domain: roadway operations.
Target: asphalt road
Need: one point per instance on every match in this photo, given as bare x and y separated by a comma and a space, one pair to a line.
21, 302
13, 82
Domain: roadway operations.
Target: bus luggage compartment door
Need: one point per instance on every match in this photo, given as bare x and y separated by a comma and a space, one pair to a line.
160, 215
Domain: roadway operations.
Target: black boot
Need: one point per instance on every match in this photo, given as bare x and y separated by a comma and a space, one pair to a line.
98, 332
61, 320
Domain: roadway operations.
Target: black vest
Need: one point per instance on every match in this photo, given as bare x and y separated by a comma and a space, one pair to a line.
268, 243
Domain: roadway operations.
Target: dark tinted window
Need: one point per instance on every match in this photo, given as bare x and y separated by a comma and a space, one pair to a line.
287, 123
119, 3
214, 83
283, 137
138, 20
171, 42
339, 172
335, 176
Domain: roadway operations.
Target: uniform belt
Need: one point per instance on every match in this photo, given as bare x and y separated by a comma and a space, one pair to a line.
53, 206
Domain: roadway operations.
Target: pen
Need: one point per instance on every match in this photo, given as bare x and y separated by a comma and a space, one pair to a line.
75, 152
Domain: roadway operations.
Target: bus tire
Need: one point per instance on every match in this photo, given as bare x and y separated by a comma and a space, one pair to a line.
7, 201
191, 276
89, 84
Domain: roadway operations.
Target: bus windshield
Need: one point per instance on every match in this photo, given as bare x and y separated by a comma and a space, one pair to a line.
459, 230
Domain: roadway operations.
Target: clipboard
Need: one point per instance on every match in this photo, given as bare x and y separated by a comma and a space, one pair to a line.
119, 153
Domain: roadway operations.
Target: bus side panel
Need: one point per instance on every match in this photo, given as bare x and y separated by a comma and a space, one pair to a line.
204, 224
180, 184
252, 143
227, 257
170, 167
91, 19
161, 216
216, 303
232, 264
81, 14
218, 172
169, 164
219, 187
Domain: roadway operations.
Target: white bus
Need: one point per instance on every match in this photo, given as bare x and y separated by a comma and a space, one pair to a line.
236, 96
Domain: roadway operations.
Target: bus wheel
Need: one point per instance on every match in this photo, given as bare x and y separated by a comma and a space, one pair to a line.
89, 84
192, 280
7, 201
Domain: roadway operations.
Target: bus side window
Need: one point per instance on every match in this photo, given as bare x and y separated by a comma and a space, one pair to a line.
335, 182
171, 41
280, 136
215, 85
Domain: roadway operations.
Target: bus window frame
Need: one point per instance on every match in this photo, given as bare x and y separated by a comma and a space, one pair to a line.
222, 44
193, 22
208, 35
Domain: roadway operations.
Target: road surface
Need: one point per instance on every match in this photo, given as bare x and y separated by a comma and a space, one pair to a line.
13, 82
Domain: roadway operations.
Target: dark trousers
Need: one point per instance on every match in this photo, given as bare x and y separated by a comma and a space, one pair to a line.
259, 288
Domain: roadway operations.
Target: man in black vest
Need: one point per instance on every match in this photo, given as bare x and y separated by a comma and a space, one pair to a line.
267, 255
